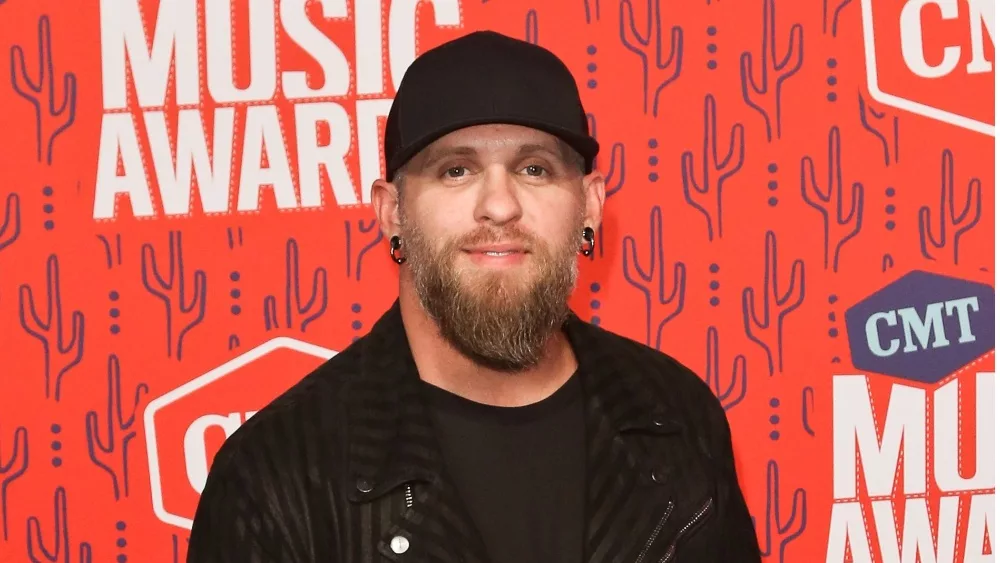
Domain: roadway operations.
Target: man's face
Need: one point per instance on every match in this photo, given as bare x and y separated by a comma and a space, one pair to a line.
491, 219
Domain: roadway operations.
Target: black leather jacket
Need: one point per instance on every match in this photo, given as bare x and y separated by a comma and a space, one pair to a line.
344, 466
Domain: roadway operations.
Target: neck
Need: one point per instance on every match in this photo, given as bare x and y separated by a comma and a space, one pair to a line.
441, 365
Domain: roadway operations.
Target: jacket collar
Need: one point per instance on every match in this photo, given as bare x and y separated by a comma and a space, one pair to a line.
391, 436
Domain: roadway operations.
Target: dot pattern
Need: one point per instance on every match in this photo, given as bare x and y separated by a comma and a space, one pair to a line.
595, 303
831, 80
56, 445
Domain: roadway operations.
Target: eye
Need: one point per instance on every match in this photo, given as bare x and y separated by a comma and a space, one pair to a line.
535, 170
455, 171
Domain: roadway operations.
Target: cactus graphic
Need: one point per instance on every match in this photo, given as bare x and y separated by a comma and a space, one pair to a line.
297, 314
60, 553
657, 71
766, 97
652, 281
587, 10
175, 541
839, 224
768, 331
736, 389
60, 354
11, 469
112, 452
951, 224
369, 228
531, 26
707, 197
111, 259
10, 229
614, 179
832, 26
51, 119
891, 129
808, 406
185, 307
786, 529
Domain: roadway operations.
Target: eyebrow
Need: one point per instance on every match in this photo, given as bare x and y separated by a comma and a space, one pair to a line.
436, 155
537, 147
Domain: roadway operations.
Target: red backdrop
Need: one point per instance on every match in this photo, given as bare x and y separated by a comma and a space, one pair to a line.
800, 209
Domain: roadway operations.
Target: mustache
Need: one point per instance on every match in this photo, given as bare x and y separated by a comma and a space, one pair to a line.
487, 235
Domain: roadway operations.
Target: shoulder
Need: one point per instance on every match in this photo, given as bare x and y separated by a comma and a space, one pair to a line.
302, 424
655, 370
673, 386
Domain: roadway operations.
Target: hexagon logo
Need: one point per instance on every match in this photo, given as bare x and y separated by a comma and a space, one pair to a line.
922, 327
933, 58
186, 427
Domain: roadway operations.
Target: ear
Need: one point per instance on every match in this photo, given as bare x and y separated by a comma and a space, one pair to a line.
385, 202
594, 195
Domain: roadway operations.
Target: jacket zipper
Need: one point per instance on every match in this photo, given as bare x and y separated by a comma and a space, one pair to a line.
409, 495
669, 555
656, 532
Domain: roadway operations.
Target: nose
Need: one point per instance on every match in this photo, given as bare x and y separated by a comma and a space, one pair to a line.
498, 200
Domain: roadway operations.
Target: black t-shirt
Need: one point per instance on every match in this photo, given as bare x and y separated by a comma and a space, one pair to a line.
519, 470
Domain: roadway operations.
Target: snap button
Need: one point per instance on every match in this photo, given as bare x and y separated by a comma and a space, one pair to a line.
364, 486
660, 475
399, 544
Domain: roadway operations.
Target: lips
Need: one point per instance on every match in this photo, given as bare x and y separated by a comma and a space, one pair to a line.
497, 250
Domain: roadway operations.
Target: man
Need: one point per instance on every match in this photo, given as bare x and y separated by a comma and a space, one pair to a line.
480, 420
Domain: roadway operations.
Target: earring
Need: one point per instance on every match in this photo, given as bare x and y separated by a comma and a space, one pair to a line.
395, 243
588, 236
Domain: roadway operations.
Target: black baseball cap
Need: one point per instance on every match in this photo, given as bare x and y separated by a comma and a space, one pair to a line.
484, 77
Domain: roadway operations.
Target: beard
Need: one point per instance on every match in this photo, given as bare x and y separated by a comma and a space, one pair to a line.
499, 319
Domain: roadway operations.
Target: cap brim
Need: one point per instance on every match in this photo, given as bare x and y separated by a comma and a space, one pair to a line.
587, 146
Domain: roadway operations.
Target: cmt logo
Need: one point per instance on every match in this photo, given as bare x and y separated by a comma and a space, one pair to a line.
187, 426
933, 58
922, 327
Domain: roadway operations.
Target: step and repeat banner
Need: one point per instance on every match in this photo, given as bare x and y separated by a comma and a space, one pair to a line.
800, 208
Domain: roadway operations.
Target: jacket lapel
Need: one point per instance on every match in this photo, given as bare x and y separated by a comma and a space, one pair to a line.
392, 444
626, 508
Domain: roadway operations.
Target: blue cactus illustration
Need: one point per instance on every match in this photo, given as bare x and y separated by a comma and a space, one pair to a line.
10, 229
876, 123
659, 70
778, 529
298, 313
661, 308
184, 304
61, 550
591, 15
830, 21
767, 330
735, 390
707, 197
531, 26
808, 406
839, 224
356, 251
765, 97
175, 541
51, 118
61, 354
111, 453
952, 224
111, 258
11, 469
614, 179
